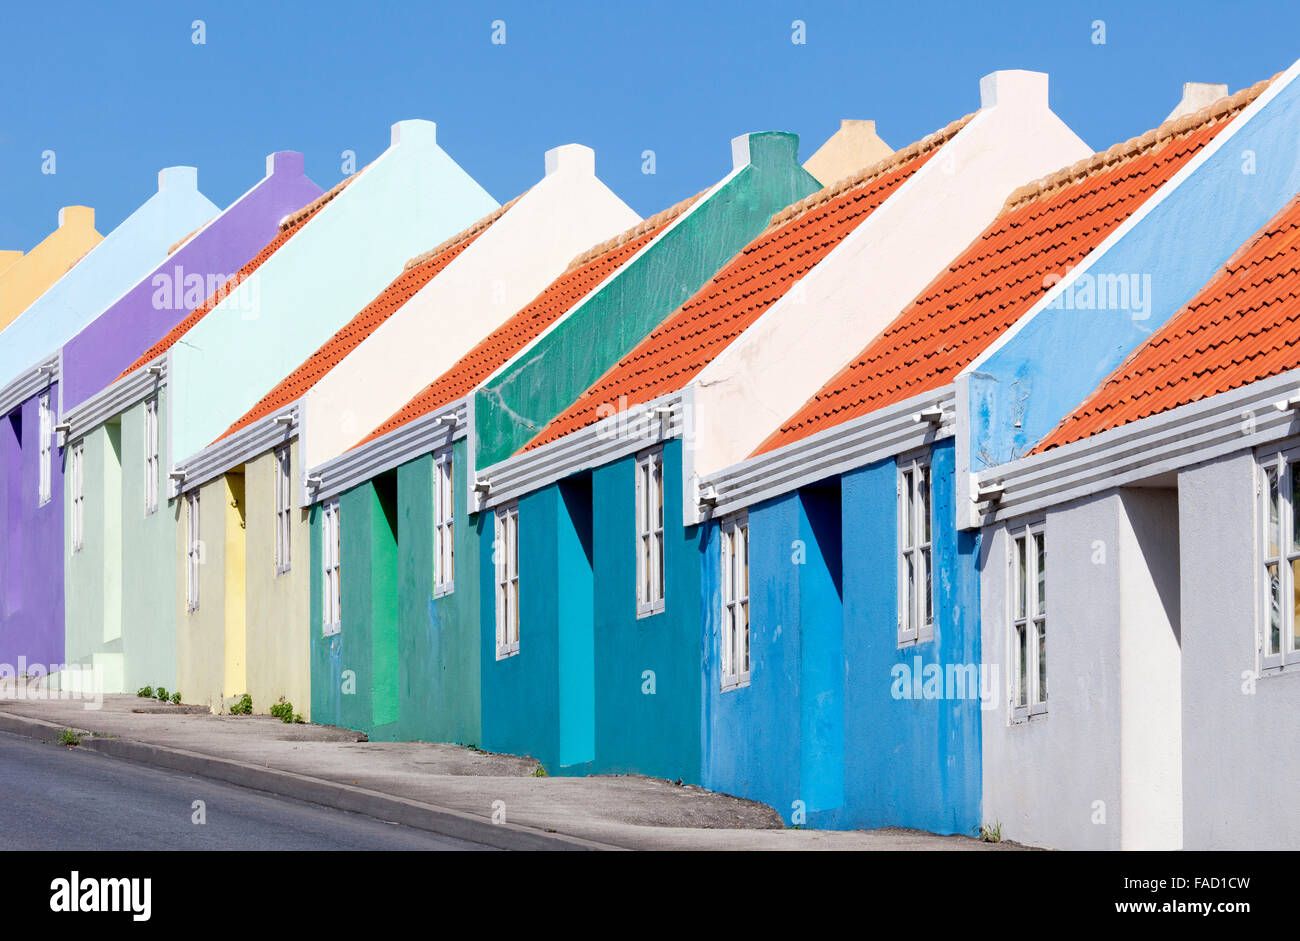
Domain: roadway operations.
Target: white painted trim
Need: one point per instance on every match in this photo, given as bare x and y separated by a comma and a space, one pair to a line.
593, 446
506, 519
1181, 437
730, 677
420, 436
117, 398
647, 463
444, 521
331, 570
37, 378
881, 434
909, 469
262, 436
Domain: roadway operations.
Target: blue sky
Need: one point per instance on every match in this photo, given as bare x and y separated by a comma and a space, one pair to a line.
119, 90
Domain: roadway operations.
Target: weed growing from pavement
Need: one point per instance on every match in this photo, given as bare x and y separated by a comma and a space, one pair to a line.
990, 833
244, 707
284, 712
148, 692
69, 737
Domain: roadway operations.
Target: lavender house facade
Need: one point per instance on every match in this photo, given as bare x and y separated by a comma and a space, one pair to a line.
189, 245
192, 273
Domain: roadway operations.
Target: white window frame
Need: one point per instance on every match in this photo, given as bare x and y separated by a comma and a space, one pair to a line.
444, 524
193, 549
916, 607
331, 570
505, 551
77, 472
649, 494
1277, 509
46, 425
734, 638
283, 509
151, 455
1027, 619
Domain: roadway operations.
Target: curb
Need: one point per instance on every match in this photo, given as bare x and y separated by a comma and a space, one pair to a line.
444, 821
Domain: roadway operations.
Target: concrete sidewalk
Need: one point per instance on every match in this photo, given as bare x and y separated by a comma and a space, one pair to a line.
447, 788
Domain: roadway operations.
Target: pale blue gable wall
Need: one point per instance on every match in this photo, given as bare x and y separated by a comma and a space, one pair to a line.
108, 271
1060, 355
410, 199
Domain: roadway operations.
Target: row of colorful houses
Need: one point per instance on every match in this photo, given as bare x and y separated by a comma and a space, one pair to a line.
806, 489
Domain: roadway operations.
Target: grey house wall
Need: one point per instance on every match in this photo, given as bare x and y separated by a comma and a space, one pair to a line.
1241, 748
1151, 773
1043, 778
1102, 769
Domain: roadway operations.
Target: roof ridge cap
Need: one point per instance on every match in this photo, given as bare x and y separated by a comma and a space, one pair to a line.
463, 236
1135, 146
638, 230
876, 170
293, 218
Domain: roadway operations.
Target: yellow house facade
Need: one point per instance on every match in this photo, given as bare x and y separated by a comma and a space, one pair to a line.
24, 278
249, 566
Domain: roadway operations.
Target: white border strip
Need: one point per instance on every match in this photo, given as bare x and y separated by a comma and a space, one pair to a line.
29, 382
638, 427
418, 437
118, 397
242, 446
875, 436
1222, 424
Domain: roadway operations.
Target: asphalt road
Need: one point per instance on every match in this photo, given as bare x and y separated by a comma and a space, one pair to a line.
57, 798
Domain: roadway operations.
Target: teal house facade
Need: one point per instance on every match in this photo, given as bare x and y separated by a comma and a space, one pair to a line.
607, 301
621, 557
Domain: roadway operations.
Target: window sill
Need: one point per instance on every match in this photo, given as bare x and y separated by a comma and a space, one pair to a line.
1280, 669
331, 629
505, 653
730, 684
1023, 715
912, 641
649, 611
441, 591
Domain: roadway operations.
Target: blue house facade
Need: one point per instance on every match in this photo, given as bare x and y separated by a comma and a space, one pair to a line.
597, 686
839, 724
405, 640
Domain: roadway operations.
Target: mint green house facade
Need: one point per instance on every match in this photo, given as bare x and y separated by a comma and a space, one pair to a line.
405, 657
328, 260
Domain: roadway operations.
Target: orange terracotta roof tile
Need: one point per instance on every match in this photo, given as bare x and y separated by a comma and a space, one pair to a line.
583, 275
1244, 325
289, 226
416, 273
1044, 229
798, 238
